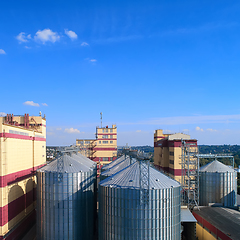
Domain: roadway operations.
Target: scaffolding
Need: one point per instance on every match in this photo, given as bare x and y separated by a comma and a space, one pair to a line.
65, 151
190, 174
144, 169
144, 179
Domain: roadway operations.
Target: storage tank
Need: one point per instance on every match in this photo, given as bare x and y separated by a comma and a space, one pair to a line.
116, 168
113, 163
84, 160
65, 200
122, 214
217, 184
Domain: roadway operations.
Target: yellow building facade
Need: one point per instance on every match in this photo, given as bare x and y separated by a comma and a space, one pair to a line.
22, 151
168, 150
103, 149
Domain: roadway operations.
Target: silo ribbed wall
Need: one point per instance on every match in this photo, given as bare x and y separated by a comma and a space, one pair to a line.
218, 187
65, 210
121, 216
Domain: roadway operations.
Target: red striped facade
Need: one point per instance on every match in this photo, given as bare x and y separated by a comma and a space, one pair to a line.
17, 176
23, 137
210, 228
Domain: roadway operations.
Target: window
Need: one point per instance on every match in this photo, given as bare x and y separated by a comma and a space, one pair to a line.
105, 142
171, 162
106, 130
103, 130
171, 153
111, 130
19, 133
87, 142
111, 136
99, 142
105, 136
105, 158
111, 141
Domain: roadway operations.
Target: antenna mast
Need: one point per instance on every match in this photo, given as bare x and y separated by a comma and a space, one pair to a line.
101, 118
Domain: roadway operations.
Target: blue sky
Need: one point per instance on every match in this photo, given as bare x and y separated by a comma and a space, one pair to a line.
146, 65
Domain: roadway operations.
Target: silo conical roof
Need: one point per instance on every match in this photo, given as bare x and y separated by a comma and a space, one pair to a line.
84, 160
70, 165
113, 163
216, 166
129, 178
87, 159
118, 167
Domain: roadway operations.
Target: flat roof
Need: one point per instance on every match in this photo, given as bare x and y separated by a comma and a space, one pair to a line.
225, 219
238, 199
186, 215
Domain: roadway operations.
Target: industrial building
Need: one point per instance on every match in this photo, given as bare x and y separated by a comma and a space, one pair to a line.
168, 152
217, 223
22, 152
102, 149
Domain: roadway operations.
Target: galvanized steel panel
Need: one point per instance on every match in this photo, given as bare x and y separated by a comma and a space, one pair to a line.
66, 210
218, 187
114, 163
122, 216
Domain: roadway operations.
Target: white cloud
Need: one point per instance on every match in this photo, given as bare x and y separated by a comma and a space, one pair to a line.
50, 133
3, 114
211, 130
84, 44
199, 129
46, 35
167, 131
71, 130
58, 129
22, 38
2, 51
92, 60
188, 120
31, 103
44, 104
71, 34
138, 131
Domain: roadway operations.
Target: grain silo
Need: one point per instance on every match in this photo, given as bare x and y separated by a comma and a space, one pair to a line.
116, 168
113, 163
84, 160
139, 204
217, 184
65, 200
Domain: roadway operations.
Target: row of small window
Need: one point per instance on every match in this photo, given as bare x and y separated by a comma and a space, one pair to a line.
105, 159
106, 130
105, 142
19, 133
106, 136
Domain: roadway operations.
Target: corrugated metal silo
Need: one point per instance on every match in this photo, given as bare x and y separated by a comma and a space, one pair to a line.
65, 201
84, 160
113, 163
217, 184
116, 168
122, 215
